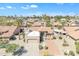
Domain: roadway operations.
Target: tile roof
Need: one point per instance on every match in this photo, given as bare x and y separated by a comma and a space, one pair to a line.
36, 24
41, 29
72, 31
7, 30
57, 23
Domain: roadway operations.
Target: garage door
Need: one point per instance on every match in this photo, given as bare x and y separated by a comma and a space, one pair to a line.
33, 41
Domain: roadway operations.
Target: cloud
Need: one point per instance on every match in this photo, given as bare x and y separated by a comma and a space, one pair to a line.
33, 6
9, 7
29, 6
2, 8
6, 7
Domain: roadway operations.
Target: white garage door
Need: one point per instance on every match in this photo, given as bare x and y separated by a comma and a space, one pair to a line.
33, 41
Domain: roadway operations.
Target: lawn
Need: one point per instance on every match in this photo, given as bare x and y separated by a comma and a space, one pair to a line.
9, 47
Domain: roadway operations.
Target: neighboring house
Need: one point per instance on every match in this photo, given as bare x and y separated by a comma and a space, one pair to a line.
24, 23
32, 20
8, 31
77, 23
38, 24
56, 23
72, 22
59, 31
73, 32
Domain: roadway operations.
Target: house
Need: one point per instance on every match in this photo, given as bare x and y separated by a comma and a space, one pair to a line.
24, 23
8, 31
73, 32
59, 31
77, 23
46, 30
56, 23
33, 36
32, 39
38, 24
41, 29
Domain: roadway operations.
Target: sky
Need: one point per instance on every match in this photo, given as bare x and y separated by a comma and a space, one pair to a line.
39, 9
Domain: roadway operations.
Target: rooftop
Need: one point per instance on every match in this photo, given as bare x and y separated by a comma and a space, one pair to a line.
73, 32
41, 29
7, 31
36, 24
57, 23
34, 33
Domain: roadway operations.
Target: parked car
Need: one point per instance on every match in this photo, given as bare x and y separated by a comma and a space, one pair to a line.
19, 51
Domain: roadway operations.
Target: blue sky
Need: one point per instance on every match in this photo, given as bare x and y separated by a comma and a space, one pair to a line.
39, 8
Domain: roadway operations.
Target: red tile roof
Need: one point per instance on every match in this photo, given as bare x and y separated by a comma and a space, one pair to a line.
7, 30
72, 31
41, 29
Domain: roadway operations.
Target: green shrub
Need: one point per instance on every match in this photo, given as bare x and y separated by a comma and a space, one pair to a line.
3, 41
60, 37
46, 47
77, 51
77, 47
59, 27
65, 44
40, 47
65, 53
71, 53
54, 37
75, 42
